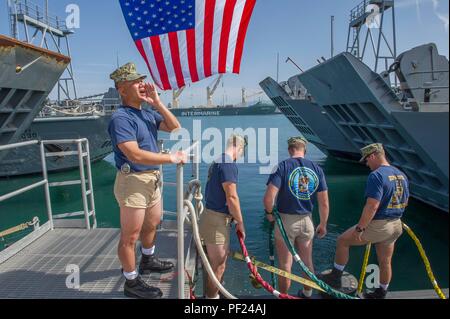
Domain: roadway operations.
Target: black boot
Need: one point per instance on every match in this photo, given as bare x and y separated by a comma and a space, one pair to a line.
332, 279
153, 264
379, 293
137, 288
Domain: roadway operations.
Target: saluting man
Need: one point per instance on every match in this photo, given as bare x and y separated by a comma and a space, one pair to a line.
134, 135
387, 195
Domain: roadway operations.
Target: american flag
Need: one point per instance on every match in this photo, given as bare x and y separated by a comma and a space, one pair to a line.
185, 41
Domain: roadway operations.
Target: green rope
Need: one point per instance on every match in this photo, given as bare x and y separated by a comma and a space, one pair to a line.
272, 253
320, 283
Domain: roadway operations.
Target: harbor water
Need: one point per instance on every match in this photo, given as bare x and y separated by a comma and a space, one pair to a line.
346, 184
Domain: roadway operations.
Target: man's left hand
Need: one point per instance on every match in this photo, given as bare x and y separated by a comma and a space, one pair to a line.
357, 235
321, 231
152, 96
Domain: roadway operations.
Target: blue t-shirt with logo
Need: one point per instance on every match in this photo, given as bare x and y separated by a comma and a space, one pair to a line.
221, 171
389, 186
298, 180
130, 124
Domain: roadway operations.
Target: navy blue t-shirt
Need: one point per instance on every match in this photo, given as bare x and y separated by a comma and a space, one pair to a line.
222, 171
130, 124
298, 180
389, 186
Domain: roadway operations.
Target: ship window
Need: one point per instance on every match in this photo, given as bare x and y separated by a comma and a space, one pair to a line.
359, 113
335, 115
415, 161
374, 113
342, 113
17, 99
370, 135
395, 138
33, 100
360, 133
347, 110
3, 94
18, 120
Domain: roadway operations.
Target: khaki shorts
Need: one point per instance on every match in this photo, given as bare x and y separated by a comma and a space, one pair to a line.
215, 228
383, 231
299, 227
138, 190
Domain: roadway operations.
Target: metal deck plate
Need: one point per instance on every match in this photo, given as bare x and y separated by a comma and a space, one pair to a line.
39, 271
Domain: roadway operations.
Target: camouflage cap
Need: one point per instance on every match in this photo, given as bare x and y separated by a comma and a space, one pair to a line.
370, 149
126, 72
298, 139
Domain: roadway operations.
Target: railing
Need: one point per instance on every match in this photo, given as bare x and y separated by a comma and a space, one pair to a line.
359, 10
33, 11
183, 194
56, 221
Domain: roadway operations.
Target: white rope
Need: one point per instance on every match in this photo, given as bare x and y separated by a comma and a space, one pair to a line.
205, 261
72, 113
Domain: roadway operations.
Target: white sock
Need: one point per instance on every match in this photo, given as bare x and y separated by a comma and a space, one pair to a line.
149, 251
385, 287
339, 267
130, 275
216, 297
307, 293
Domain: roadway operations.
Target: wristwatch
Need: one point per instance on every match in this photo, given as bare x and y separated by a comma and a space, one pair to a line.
359, 229
268, 213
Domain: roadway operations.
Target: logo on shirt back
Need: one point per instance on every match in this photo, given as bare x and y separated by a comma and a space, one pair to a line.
303, 182
397, 199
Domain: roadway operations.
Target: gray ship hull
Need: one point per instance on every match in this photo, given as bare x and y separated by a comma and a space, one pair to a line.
365, 109
311, 120
25, 161
27, 75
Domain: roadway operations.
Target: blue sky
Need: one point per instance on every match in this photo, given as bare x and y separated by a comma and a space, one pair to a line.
299, 29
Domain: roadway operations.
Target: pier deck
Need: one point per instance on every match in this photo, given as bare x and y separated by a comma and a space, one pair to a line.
39, 271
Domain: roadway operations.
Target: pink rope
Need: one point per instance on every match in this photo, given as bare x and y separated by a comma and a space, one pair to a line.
255, 273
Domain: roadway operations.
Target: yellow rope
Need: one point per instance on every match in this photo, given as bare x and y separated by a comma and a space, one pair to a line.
425, 261
363, 269
303, 281
13, 230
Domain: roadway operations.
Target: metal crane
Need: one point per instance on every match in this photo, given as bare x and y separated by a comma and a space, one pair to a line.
210, 92
176, 97
245, 96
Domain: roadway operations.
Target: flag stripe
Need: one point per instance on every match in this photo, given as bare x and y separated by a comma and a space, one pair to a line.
199, 28
225, 34
237, 15
208, 34
248, 9
165, 47
152, 62
141, 50
184, 60
175, 53
190, 39
217, 30
159, 58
